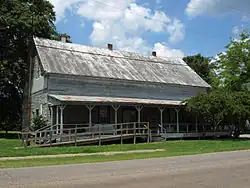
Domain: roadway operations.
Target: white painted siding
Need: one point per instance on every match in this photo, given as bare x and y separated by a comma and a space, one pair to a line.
67, 86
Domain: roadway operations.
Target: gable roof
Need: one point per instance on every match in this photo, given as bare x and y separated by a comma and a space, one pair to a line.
74, 59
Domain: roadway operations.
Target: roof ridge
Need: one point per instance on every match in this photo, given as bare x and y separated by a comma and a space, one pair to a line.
123, 57
102, 48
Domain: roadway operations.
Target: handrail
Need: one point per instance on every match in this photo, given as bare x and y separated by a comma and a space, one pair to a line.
43, 128
164, 129
129, 128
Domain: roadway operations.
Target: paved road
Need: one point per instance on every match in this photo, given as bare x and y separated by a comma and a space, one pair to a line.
228, 169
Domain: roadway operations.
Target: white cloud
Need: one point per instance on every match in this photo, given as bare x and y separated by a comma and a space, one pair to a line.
60, 7
105, 10
158, 2
164, 51
82, 24
176, 31
138, 17
218, 7
236, 30
122, 22
135, 44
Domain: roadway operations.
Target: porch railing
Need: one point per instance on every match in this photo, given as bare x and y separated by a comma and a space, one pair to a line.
81, 132
188, 128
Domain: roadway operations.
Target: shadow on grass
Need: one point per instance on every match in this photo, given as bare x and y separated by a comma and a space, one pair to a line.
9, 135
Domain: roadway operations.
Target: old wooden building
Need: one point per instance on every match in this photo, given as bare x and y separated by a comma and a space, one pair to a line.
75, 84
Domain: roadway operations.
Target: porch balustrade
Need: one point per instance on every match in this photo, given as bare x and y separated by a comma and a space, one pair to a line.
80, 132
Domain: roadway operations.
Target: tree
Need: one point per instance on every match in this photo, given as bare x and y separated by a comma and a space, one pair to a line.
219, 108
233, 66
210, 106
240, 109
200, 65
19, 21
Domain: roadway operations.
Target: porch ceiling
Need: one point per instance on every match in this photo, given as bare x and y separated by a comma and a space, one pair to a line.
95, 99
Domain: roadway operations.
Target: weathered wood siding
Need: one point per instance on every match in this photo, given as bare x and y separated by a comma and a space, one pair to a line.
38, 83
39, 102
70, 86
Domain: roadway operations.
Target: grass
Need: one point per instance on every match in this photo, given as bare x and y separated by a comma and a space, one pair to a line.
173, 148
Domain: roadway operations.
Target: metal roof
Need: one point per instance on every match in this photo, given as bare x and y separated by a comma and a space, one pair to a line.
95, 99
74, 59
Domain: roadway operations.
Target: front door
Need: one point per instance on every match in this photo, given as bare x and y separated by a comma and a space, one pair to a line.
104, 114
151, 115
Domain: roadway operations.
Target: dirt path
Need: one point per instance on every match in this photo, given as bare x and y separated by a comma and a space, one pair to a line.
79, 154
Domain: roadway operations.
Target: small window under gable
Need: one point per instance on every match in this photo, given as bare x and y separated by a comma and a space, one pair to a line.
41, 109
38, 72
37, 112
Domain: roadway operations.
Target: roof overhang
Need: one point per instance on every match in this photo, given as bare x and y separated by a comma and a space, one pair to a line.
114, 100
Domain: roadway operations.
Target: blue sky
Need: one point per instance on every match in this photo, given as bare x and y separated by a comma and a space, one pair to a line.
173, 28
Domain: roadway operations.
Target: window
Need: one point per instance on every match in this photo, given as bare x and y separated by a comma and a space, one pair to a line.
38, 71
41, 109
37, 68
37, 112
104, 114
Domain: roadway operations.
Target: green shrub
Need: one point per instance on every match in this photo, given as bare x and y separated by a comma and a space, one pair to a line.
39, 122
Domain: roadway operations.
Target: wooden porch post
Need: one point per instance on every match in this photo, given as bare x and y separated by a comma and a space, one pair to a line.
196, 124
51, 116
90, 107
61, 121
161, 111
116, 107
57, 118
177, 119
139, 108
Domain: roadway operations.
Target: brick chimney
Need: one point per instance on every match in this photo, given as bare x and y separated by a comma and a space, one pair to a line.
154, 53
110, 46
63, 37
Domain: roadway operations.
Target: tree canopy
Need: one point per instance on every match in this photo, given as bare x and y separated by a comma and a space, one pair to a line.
19, 20
229, 101
200, 65
219, 108
233, 65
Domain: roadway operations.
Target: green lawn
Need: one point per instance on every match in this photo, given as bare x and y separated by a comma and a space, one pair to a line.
173, 148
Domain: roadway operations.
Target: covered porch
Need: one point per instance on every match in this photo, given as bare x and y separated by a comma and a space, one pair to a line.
164, 116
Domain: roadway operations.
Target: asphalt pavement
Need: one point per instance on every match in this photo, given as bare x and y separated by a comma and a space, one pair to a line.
217, 170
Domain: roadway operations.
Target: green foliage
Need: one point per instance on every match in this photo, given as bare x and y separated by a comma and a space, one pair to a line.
220, 107
18, 22
234, 64
39, 122
200, 65
229, 101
